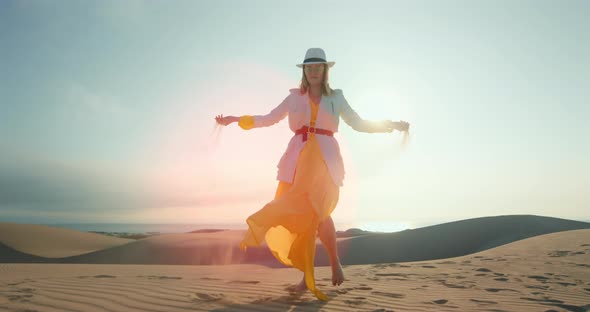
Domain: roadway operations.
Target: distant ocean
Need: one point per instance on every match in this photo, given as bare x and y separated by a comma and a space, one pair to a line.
147, 228
142, 228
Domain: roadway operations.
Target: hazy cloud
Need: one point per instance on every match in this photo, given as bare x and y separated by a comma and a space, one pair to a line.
46, 187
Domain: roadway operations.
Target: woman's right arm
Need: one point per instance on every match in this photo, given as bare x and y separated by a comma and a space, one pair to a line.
248, 122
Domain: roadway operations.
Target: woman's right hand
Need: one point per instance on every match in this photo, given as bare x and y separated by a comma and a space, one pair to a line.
224, 121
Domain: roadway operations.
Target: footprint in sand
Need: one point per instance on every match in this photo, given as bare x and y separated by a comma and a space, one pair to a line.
203, 297
572, 308
453, 285
28, 294
356, 301
537, 287
291, 299
559, 253
244, 282
495, 290
386, 294
483, 270
20, 298
210, 278
566, 284
364, 288
538, 278
341, 291
441, 301
546, 300
483, 302
170, 277
104, 276
164, 277
394, 274
560, 275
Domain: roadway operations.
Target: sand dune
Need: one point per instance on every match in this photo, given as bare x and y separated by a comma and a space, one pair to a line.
52, 242
544, 273
448, 240
188, 248
209, 247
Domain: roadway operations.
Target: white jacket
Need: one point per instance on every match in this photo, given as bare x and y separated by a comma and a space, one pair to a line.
296, 106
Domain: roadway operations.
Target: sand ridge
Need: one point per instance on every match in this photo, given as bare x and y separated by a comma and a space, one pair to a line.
37, 244
54, 242
543, 273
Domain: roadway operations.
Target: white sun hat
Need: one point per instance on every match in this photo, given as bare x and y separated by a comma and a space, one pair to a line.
315, 56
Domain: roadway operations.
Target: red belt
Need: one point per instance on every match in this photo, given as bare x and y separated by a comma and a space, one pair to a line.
305, 130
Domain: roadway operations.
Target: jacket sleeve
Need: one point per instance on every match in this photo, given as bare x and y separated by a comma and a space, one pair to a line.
357, 123
275, 115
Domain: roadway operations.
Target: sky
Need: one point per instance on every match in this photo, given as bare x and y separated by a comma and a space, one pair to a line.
107, 108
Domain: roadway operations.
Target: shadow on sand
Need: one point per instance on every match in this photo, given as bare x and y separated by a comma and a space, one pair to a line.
291, 302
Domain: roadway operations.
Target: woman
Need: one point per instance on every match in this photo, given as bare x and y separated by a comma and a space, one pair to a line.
310, 172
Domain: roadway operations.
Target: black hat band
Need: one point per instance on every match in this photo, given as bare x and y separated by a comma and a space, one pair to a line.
314, 59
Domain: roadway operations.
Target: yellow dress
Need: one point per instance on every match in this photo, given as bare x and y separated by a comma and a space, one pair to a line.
289, 223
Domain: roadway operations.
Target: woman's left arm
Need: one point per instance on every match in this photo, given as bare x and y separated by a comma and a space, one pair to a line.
352, 118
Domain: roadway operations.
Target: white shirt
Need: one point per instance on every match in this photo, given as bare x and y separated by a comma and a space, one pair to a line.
332, 108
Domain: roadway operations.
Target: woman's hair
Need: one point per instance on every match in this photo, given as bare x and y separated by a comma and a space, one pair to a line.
326, 90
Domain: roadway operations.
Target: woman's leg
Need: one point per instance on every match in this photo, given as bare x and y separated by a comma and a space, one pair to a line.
327, 234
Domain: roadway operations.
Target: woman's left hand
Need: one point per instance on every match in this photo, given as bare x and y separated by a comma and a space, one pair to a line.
397, 125
402, 125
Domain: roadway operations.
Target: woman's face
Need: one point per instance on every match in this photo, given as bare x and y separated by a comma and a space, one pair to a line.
314, 73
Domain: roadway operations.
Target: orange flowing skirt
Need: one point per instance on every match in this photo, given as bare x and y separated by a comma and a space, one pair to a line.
289, 223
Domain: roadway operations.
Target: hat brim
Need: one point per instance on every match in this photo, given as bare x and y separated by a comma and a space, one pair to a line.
330, 64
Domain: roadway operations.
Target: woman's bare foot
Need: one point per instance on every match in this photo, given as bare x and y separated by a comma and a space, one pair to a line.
337, 274
299, 287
